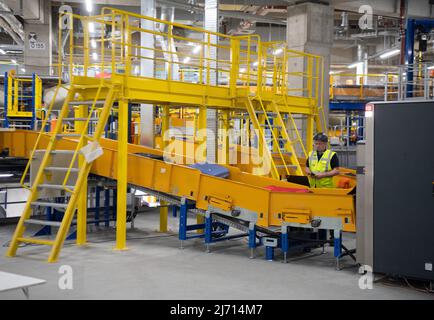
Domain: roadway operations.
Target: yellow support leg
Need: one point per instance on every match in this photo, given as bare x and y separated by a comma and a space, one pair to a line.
164, 212
200, 220
309, 133
201, 134
225, 136
122, 157
81, 112
165, 124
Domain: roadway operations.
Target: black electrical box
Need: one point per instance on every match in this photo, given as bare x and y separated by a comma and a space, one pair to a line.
403, 202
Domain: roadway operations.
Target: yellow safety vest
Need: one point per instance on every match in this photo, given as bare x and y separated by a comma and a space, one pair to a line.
321, 165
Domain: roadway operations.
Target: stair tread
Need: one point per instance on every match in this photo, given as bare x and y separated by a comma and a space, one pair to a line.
79, 119
290, 166
49, 204
272, 126
61, 169
43, 222
86, 102
62, 151
55, 186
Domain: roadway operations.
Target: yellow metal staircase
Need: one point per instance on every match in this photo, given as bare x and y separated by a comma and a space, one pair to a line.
278, 147
45, 191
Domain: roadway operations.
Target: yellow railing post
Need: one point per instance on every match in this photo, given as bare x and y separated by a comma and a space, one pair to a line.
225, 135
127, 46
113, 45
71, 46
235, 66
122, 172
275, 74
15, 105
309, 77
79, 126
259, 68
332, 93
86, 42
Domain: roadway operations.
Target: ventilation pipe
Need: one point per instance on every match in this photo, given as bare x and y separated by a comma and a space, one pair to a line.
11, 24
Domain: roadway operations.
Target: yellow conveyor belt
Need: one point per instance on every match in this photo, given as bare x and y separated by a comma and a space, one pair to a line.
240, 190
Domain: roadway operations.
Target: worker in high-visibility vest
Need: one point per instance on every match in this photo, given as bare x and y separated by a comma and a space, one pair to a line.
322, 164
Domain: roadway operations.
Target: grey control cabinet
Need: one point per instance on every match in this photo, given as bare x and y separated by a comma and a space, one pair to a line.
397, 214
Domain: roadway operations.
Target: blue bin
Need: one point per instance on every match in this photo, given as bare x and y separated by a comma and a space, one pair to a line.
211, 169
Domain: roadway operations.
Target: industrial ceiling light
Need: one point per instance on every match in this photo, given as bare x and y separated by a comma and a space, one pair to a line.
187, 59
430, 68
278, 51
91, 27
13, 61
354, 65
242, 70
390, 54
256, 63
197, 49
23, 70
6, 175
2, 51
93, 43
94, 56
88, 5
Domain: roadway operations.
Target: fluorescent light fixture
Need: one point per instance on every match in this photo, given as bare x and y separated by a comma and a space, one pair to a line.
197, 49
23, 70
354, 65
390, 53
187, 59
88, 5
6, 175
2, 51
93, 43
94, 56
256, 63
430, 68
278, 51
91, 27
243, 70
13, 61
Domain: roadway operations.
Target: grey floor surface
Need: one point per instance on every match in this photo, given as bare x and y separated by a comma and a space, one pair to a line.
154, 267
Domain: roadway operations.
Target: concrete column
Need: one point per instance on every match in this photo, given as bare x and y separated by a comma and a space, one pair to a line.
310, 29
147, 8
211, 24
38, 40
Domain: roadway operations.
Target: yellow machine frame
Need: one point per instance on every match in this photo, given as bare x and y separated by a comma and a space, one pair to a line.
259, 79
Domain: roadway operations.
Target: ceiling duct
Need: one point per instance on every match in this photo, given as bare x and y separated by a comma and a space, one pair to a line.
14, 28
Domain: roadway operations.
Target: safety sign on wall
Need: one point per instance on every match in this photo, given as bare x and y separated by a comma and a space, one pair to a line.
34, 44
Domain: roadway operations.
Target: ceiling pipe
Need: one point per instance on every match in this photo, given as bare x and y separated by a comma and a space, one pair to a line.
224, 13
10, 31
15, 30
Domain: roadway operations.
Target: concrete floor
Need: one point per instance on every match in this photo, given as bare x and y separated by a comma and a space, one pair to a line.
155, 267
